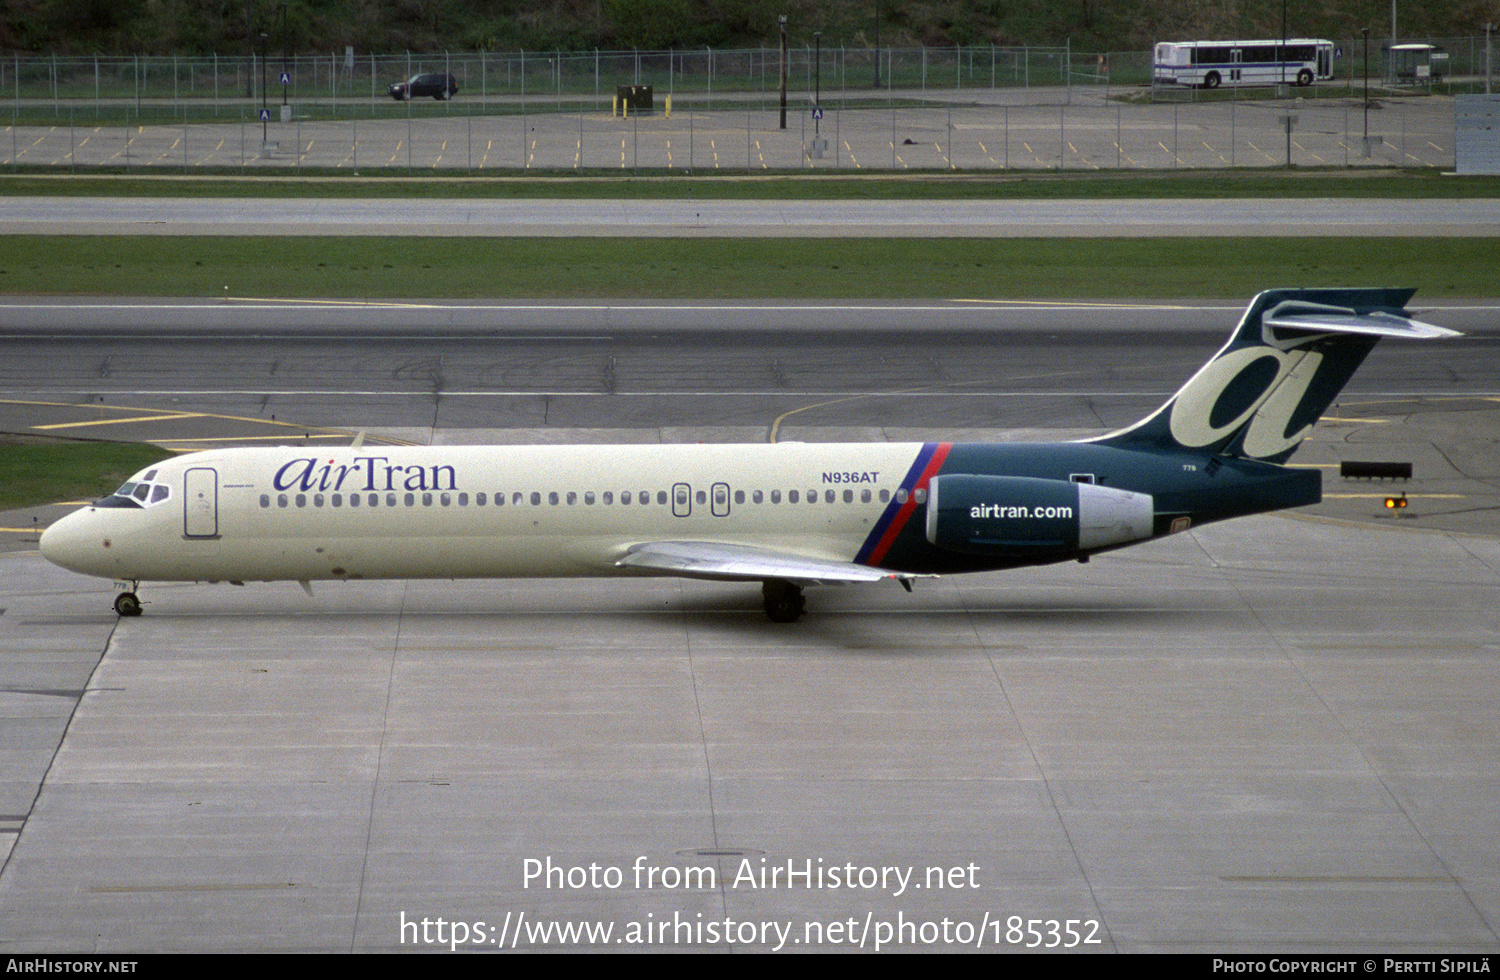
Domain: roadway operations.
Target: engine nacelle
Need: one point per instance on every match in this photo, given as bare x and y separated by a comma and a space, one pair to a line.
1025, 516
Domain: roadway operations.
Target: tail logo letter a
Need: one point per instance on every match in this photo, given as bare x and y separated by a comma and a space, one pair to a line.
1259, 385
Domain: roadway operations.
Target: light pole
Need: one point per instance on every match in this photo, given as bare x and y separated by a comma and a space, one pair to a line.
1283, 90
265, 113
782, 21
1487, 29
1366, 144
817, 82
1282, 87
286, 73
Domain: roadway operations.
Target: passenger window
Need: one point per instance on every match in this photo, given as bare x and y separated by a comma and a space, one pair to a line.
301, 500
463, 500
552, 498
281, 500
337, 500
411, 500
775, 496
265, 500
756, 497
624, 496
354, 500
445, 499
609, 497
849, 496
661, 497
536, 498
739, 496
480, 498
426, 500
390, 500
572, 498
885, 495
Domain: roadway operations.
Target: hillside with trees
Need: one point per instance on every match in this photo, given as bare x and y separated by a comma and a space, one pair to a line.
391, 26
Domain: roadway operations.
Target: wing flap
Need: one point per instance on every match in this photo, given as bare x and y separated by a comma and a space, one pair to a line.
735, 562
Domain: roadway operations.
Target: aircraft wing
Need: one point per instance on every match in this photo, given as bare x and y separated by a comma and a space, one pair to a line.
733, 562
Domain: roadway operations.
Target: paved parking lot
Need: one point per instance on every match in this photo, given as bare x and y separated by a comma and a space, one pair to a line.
975, 130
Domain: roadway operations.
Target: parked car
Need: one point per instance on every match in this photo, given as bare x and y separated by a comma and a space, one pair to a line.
438, 85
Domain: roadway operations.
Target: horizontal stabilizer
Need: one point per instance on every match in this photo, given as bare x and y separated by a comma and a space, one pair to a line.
733, 562
1374, 324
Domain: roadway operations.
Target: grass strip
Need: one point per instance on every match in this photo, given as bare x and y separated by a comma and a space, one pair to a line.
31, 475
760, 268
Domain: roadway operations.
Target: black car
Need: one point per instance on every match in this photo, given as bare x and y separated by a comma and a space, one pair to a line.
439, 85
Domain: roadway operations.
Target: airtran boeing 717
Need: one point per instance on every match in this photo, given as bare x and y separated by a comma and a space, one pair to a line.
787, 515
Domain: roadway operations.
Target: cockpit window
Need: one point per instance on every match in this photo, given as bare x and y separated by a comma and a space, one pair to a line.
138, 492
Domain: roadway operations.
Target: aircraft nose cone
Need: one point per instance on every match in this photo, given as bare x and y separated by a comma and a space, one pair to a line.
70, 544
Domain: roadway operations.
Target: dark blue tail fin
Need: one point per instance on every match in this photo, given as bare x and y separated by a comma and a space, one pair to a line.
1291, 355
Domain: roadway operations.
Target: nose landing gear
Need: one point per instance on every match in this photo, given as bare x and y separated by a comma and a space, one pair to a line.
128, 603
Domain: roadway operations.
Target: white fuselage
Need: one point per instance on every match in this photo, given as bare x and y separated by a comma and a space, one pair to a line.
479, 511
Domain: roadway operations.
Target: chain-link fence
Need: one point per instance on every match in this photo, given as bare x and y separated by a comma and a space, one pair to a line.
951, 108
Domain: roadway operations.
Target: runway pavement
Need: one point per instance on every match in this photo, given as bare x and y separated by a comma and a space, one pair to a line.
1270, 735
1231, 218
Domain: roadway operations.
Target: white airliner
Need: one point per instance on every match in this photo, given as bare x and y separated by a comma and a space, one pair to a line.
787, 515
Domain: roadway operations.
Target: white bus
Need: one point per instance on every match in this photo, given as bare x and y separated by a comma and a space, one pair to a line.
1209, 64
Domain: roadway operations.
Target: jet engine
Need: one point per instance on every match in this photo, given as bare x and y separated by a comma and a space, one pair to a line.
1024, 516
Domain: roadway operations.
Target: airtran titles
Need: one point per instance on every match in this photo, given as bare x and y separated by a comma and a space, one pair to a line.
363, 473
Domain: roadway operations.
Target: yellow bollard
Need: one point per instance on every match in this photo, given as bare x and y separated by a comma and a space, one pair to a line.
669, 107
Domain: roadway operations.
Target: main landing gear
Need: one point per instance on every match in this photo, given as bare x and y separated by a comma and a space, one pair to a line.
128, 603
783, 600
